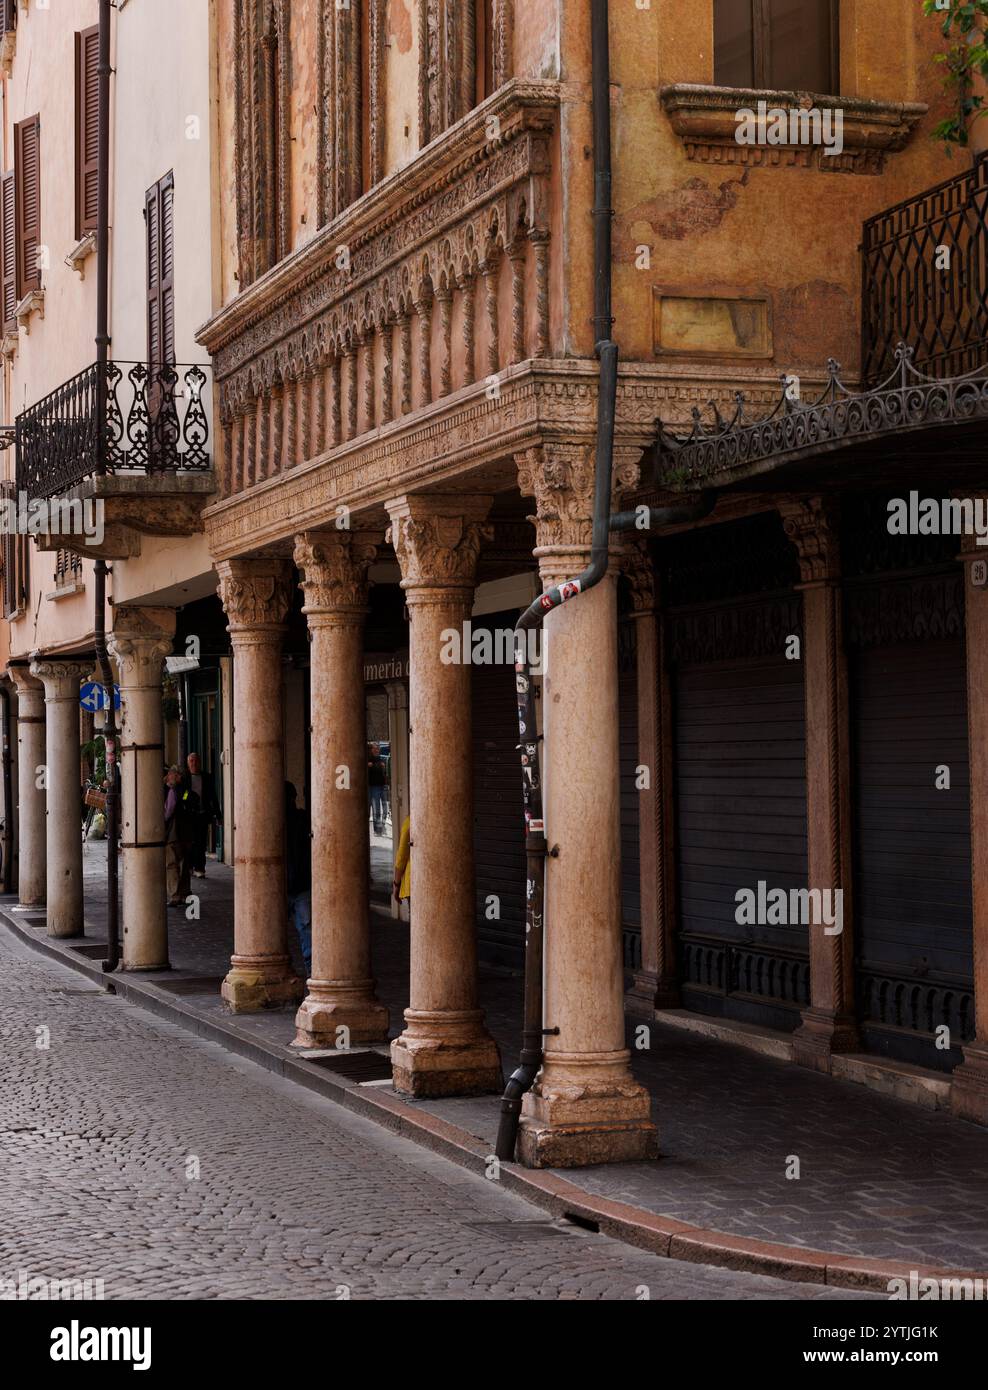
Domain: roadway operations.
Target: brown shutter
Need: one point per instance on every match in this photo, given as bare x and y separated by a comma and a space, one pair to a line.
8, 15
8, 251
160, 271
87, 128
9, 557
27, 169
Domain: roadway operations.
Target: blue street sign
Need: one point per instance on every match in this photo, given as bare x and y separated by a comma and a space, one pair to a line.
92, 697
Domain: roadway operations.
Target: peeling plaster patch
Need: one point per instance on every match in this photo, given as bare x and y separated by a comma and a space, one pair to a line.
401, 25
693, 209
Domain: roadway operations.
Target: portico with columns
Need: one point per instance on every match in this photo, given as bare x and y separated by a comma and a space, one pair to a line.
32, 877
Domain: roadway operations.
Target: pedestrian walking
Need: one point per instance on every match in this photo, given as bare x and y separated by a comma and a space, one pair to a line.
181, 811
201, 782
377, 781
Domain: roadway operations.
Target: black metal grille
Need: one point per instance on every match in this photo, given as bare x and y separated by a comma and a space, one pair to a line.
941, 311
139, 419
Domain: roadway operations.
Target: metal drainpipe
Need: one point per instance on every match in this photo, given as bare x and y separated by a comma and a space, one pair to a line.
532, 1052
99, 588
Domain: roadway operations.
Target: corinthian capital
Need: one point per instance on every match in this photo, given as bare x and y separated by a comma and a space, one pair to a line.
812, 524
62, 677
437, 539
255, 593
334, 567
561, 478
141, 639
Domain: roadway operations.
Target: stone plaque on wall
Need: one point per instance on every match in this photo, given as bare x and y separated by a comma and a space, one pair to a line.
711, 325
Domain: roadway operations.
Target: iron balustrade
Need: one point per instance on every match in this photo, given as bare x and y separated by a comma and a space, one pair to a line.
913, 292
140, 419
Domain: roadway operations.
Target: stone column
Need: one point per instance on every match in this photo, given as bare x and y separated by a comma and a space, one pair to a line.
334, 568
32, 849
256, 594
656, 982
969, 1081
445, 1048
61, 680
586, 1106
398, 729
829, 1024
141, 639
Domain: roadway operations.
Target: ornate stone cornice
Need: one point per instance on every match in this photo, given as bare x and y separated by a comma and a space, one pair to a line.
437, 540
256, 594
812, 524
334, 567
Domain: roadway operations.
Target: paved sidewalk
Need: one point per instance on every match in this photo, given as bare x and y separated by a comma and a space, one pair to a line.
878, 1177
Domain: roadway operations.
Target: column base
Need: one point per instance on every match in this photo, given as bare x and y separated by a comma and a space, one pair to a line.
586, 1108
130, 969
820, 1035
334, 1004
65, 931
969, 1085
445, 1053
649, 992
266, 983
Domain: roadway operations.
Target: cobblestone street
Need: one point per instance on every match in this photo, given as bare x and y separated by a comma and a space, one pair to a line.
137, 1154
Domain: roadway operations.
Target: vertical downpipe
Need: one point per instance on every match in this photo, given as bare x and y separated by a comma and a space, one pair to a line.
104, 72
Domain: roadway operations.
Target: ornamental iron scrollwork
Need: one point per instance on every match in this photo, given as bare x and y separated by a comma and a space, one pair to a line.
154, 420
908, 399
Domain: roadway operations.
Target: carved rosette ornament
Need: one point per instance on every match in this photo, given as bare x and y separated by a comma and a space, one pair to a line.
438, 549
256, 595
334, 567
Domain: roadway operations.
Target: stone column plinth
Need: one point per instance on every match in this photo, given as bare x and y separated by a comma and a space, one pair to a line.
655, 985
445, 1048
585, 1106
829, 1024
969, 1081
32, 850
256, 594
141, 639
341, 991
61, 679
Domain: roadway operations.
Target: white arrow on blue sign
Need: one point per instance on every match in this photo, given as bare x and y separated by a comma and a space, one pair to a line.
92, 697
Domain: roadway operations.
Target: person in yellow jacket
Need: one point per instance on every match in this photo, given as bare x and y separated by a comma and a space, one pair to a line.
402, 888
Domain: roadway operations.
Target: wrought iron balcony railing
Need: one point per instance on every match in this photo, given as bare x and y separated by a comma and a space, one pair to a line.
925, 279
138, 419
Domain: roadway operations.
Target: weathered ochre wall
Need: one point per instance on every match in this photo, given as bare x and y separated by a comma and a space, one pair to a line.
791, 233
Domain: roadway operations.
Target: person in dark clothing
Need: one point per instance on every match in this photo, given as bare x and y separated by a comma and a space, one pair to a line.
201, 782
298, 872
377, 782
181, 814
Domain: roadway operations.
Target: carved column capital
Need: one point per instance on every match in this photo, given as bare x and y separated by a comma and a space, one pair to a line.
437, 539
334, 567
141, 639
26, 684
813, 526
638, 569
256, 594
61, 677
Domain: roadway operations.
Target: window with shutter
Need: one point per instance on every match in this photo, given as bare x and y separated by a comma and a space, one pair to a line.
779, 44
8, 252
27, 200
8, 15
87, 129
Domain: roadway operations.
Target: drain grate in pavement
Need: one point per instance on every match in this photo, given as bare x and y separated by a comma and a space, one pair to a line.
517, 1230
195, 984
356, 1066
92, 949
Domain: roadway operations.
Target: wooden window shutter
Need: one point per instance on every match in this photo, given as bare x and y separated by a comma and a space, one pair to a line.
9, 15
27, 199
158, 203
87, 129
9, 559
8, 251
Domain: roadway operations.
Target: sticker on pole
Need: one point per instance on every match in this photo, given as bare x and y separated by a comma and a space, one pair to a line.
92, 697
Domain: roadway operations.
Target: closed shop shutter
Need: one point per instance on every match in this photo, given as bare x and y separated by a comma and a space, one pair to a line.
740, 776
912, 903
499, 816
